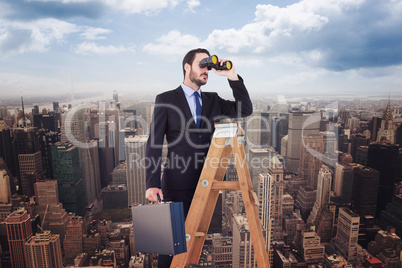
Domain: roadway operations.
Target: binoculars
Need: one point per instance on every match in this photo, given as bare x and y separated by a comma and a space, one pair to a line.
212, 62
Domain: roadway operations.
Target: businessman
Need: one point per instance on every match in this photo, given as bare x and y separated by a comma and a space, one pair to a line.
185, 116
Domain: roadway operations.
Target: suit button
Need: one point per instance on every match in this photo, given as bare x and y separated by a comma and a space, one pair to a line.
200, 136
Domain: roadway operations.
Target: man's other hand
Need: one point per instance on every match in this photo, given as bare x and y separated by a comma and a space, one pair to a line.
151, 194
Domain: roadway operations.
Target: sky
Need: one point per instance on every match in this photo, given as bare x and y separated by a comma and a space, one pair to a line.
331, 47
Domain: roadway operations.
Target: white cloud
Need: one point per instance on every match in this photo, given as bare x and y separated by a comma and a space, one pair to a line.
173, 43
192, 4
92, 33
36, 36
90, 48
141, 6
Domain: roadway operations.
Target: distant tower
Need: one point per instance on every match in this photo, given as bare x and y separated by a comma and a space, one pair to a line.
347, 234
387, 131
115, 96
243, 252
51, 212
68, 173
271, 198
73, 240
44, 250
135, 154
343, 181
258, 130
300, 124
323, 191
384, 158
259, 157
365, 190
56, 106
26, 145
19, 230
310, 158
5, 190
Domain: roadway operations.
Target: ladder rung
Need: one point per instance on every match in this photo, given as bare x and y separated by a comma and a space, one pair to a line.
225, 185
199, 234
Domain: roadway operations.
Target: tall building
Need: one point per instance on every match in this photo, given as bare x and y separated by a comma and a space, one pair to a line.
309, 244
323, 192
343, 181
115, 197
19, 230
347, 234
68, 173
392, 214
258, 162
31, 169
384, 158
135, 155
300, 124
311, 152
25, 141
72, 243
305, 200
275, 170
91, 171
356, 141
365, 190
242, 252
119, 176
6, 150
258, 131
387, 131
5, 190
279, 129
221, 250
44, 251
51, 212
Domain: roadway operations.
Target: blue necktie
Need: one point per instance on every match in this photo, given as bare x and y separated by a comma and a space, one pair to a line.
198, 108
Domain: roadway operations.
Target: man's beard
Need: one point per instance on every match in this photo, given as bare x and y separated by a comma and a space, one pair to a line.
196, 80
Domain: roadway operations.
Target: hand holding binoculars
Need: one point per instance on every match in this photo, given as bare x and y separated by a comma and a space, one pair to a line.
212, 62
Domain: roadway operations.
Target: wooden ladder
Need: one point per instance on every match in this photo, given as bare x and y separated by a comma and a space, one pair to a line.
227, 138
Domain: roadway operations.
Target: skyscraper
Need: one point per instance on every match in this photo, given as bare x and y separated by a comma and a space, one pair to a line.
365, 190
68, 173
347, 234
384, 158
44, 251
31, 169
73, 240
323, 191
279, 129
343, 181
91, 172
258, 162
243, 252
300, 124
387, 131
135, 157
258, 130
51, 212
5, 190
310, 158
25, 141
19, 230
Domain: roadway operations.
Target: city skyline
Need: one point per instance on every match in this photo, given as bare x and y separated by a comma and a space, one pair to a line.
280, 47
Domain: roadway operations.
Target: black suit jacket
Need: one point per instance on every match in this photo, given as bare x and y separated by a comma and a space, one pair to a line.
187, 144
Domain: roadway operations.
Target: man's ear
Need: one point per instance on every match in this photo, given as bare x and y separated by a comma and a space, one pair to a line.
187, 67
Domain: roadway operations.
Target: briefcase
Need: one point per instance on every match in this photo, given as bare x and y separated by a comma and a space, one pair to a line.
159, 228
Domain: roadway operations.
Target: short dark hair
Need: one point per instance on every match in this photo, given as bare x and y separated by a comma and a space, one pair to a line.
189, 58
